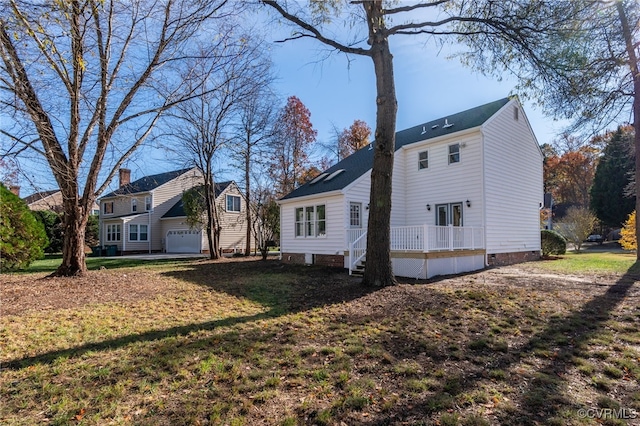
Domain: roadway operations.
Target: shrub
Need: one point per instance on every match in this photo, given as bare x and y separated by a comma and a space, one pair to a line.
576, 226
552, 243
52, 223
628, 233
22, 237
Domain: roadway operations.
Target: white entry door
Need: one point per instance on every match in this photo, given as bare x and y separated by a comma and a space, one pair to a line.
184, 241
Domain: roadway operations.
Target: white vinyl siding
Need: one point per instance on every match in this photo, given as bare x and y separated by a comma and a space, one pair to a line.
333, 226
513, 183
443, 184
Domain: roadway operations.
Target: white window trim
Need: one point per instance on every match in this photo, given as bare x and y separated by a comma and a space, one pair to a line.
108, 233
138, 232
134, 205
147, 203
297, 222
313, 222
449, 154
426, 151
239, 203
104, 203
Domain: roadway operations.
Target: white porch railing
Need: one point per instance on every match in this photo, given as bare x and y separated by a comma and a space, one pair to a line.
418, 238
357, 246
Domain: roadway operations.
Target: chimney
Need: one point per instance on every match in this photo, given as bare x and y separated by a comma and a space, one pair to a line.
125, 177
15, 189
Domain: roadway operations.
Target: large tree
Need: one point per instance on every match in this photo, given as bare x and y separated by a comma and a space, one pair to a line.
292, 137
609, 199
255, 121
367, 27
586, 70
224, 76
84, 82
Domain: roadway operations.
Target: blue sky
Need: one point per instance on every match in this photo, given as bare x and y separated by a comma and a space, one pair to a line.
338, 91
428, 86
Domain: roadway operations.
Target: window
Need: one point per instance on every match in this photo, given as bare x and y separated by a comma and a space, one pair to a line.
147, 203
321, 222
233, 203
134, 205
107, 207
113, 232
449, 214
423, 160
355, 210
138, 233
310, 221
299, 222
454, 153
516, 112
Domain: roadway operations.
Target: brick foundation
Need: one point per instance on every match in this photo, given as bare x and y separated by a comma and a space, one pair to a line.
293, 258
501, 259
333, 260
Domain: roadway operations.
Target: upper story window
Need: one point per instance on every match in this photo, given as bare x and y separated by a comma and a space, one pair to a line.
147, 203
233, 203
454, 153
107, 207
423, 160
134, 205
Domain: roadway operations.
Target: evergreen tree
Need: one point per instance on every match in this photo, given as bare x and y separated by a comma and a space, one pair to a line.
22, 237
613, 174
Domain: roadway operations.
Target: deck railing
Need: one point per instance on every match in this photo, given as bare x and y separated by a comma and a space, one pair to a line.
419, 238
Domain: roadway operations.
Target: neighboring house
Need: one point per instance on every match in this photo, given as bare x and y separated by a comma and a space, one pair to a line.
467, 189
45, 200
231, 209
146, 216
51, 200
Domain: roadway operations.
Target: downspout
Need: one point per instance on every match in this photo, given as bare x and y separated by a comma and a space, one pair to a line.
281, 234
484, 196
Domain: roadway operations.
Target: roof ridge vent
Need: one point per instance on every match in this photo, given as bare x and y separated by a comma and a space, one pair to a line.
447, 124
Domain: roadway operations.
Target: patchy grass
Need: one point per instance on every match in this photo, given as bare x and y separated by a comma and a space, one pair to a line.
242, 342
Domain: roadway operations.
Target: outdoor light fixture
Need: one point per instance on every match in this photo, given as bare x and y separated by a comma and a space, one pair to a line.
468, 203
429, 207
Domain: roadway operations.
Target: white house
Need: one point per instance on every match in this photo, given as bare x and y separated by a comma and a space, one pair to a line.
467, 189
147, 215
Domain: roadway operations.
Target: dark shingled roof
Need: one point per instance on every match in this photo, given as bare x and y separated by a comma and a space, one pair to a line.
147, 183
361, 161
178, 208
39, 196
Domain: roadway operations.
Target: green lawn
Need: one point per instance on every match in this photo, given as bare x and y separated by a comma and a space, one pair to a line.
242, 342
590, 262
51, 262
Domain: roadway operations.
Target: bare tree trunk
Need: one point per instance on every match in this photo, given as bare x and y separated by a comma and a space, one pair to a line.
213, 234
247, 198
75, 222
635, 73
378, 271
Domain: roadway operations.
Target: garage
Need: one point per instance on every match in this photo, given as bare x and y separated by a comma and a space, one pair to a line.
184, 241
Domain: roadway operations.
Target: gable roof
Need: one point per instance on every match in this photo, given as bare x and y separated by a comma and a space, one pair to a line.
361, 161
39, 196
177, 210
147, 183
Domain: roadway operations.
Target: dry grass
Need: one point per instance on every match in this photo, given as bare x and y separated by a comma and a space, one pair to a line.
248, 342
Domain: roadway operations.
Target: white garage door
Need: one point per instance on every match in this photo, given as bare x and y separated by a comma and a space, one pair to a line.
184, 241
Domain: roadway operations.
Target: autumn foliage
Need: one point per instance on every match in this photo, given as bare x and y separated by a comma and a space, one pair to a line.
353, 138
628, 233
